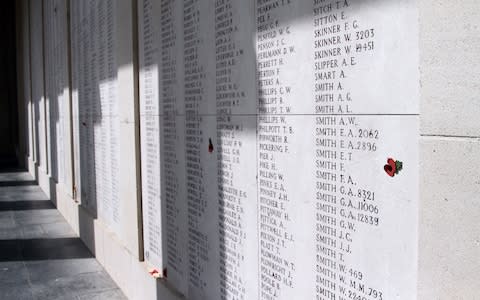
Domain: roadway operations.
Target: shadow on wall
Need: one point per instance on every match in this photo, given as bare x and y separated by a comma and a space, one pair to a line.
36, 73
89, 70
55, 73
207, 143
95, 89
94, 68
56, 76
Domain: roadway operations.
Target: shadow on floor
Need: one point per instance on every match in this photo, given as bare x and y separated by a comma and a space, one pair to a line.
41, 257
17, 183
26, 205
43, 249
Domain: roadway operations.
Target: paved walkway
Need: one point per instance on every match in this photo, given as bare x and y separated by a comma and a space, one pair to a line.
40, 255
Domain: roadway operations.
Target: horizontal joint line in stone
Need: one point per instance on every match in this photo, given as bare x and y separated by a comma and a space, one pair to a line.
261, 115
450, 136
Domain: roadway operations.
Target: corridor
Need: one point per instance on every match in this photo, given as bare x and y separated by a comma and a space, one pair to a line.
41, 257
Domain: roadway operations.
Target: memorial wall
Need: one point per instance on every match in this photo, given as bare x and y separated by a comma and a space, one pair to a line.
260, 149
37, 84
95, 101
23, 69
56, 85
279, 147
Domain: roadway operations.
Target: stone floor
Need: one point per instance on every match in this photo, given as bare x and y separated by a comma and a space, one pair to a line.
40, 255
